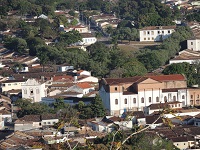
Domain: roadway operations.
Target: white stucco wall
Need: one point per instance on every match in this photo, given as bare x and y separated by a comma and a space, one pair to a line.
109, 99
193, 44
34, 90
12, 85
153, 35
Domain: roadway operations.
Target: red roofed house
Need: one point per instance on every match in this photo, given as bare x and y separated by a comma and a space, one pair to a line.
83, 87
134, 93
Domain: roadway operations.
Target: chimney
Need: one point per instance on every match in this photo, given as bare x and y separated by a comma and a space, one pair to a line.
75, 78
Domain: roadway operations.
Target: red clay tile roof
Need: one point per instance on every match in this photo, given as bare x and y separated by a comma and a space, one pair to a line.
62, 77
160, 78
84, 85
171, 77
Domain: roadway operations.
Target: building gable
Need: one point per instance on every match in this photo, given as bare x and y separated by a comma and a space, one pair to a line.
149, 81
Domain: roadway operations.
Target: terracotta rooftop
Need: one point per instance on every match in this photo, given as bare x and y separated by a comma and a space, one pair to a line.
56, 78
84, 85
171, 77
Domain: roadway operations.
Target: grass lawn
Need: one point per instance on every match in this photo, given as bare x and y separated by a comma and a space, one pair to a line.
136, 45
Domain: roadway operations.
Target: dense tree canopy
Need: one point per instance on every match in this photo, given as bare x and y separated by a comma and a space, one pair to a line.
190, 71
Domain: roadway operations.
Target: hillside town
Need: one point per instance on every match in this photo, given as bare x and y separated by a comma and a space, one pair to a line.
100, 75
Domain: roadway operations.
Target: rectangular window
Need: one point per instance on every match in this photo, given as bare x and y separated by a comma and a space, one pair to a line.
148, 32
148, 38
144, 32
191, 43
191, 96
152, 32
9, 84
158, 32
142, 100
115, 88
152, 38
163, 32
125, 101
169, 31
149, 99
144, 39
116, 101
134, 100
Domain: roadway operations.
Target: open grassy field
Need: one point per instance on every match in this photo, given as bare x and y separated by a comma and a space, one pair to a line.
136, 45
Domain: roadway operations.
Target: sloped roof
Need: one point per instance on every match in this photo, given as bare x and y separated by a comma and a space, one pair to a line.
84, 85
171, 77
137, 79
162, 105
56, 78
151, 119
158, 27
36, 118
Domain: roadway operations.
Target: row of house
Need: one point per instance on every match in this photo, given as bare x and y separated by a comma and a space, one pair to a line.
190, 55
50, 86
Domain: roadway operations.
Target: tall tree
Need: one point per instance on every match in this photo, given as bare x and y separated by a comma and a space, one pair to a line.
97, 107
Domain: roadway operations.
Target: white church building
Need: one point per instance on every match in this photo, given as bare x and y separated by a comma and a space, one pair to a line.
33, 89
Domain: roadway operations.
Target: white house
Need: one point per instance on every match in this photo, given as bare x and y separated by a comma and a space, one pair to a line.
33, 89
82, 87
84, 78
193, 44
160, 106
63, 68
109, 123
87, 39
29, 122
151, 121
23, 68
80, 28
188, 56
11, 84
135, 93
83, 72
156, 33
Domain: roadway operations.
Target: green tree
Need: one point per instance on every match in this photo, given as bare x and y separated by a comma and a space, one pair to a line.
183, 68
17, 44
70, 37
42, 54
33, 42
133, 68
29, 108
97, 107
